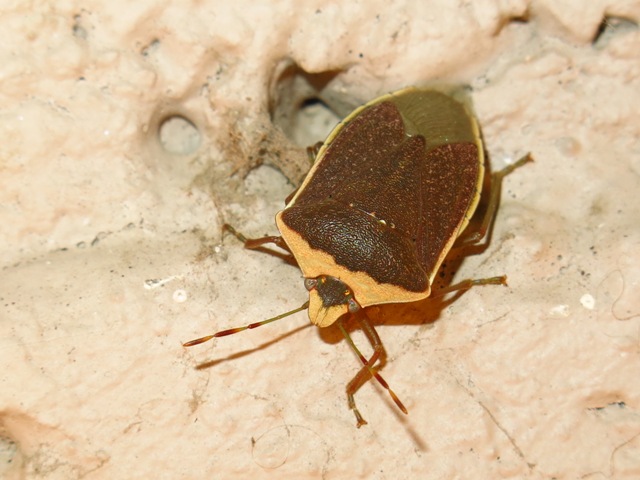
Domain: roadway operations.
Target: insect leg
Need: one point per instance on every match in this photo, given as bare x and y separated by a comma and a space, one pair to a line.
367, 371
253, 243
312, 152
257, 244
469, 283
486, 225
374, 339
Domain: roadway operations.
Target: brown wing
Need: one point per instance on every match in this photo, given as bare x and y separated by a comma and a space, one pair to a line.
380, 203
448, 188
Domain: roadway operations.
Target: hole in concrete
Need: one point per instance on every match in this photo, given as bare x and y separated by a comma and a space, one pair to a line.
610, 28
304, 105
78, 29
151, 48
178, 135
266, 182
313, 121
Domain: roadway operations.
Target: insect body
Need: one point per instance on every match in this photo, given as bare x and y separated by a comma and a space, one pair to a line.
392, 188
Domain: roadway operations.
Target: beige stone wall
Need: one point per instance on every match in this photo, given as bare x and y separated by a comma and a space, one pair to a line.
131, 131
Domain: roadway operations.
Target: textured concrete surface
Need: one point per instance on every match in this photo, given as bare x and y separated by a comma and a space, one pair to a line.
130, 131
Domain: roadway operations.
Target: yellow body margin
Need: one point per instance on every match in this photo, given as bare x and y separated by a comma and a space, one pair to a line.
366, 290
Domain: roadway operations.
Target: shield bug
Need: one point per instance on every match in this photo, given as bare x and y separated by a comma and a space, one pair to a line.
391, 190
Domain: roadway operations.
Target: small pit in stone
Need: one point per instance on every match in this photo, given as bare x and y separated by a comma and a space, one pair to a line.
313, 122
304, 105
178, 135
610, 28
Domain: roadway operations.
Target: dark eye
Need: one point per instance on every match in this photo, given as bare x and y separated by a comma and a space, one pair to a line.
310, 283
353, 306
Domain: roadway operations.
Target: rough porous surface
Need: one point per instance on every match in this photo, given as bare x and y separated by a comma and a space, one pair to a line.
131, 131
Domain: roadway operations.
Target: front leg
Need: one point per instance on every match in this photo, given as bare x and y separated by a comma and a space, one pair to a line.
367, 371
257, 244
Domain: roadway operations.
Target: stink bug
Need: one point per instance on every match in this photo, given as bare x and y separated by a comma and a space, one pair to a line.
391, 189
